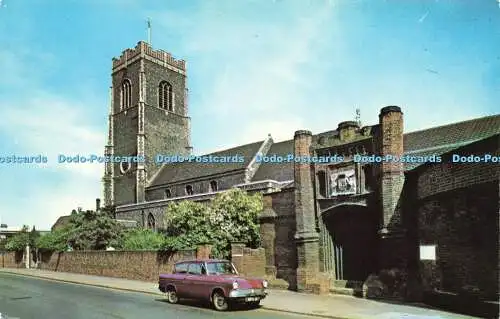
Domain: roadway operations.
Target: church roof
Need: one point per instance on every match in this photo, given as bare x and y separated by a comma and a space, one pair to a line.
441, 139
432, 141
277, 171
176, 172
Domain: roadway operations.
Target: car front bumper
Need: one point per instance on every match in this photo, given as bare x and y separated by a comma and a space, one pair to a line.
248, 295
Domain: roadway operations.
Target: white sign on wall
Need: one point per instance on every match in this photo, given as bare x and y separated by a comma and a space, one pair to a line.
427, 252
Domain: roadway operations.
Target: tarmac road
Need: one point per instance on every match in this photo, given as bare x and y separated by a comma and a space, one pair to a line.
27, 297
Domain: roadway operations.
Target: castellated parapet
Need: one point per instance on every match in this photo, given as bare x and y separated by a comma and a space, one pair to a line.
143, 48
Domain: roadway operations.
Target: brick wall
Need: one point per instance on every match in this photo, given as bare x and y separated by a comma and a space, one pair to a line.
282, 238
457, 208
12, 259
434, 179
135, 265
463, 225
249, 262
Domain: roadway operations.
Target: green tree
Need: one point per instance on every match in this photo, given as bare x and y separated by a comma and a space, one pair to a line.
90, 230
142, 239
186, 225
110, 211
56, 240
231, 216
19, 241
33, 237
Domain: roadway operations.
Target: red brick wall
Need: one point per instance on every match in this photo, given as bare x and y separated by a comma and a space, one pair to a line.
249, 262
12, 259
464, 227
135, 265
434, 179
282, 239
457, 210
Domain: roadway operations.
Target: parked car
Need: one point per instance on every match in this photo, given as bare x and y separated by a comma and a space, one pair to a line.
216, 281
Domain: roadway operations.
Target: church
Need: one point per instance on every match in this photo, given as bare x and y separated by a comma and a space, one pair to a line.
433, 219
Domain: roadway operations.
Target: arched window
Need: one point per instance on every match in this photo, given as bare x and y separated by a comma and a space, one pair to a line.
168, 193
166, 98
213, 186
151, 221
126, 96
189, 190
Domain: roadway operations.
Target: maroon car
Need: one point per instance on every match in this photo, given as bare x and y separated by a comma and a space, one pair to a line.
212, 280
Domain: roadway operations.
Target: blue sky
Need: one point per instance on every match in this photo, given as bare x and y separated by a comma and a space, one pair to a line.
254, 66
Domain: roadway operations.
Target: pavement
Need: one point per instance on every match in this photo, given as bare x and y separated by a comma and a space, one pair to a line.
330, 306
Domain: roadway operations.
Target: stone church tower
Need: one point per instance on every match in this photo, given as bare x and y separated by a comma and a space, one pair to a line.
148, 115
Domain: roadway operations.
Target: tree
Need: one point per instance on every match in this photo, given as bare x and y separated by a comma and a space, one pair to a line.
19, 241
33, 237
90, 230
56, 240
142, 239
231, 216
110, 211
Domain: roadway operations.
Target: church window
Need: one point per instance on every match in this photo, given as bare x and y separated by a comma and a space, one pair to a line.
168, 193
126, 94
151, 222
189, 190
213, 186
124, 167
322, 183
166, 96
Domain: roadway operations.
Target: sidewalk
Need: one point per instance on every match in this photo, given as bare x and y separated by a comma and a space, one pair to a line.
334, 306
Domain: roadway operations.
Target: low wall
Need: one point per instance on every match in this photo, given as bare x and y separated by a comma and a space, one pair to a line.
134, 265
12, 259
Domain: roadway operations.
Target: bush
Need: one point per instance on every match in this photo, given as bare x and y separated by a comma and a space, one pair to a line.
56, 240
143, 239
19, 241
231, 217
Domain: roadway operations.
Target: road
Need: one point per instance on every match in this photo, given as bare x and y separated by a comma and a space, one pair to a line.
27, 297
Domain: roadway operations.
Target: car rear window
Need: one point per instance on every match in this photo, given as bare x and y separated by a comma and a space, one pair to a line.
181, 268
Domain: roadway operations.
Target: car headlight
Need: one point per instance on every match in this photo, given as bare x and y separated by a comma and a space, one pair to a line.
235, 285
264, 284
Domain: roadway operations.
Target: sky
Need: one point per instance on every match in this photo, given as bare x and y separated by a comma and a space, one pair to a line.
255, 67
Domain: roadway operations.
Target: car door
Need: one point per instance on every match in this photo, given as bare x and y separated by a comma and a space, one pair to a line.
180, 273
193, 281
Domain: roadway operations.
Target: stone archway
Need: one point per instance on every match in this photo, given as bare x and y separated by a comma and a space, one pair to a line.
350, 241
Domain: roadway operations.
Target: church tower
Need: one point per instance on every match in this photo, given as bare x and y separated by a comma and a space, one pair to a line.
148, 116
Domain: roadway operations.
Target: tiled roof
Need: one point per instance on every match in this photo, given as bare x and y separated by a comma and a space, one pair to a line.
471, 130
175, 172
277, 171
441, 139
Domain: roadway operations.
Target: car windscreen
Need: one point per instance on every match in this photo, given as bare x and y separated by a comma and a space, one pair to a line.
221, 268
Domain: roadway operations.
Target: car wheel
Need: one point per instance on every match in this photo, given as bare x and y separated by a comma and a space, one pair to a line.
219, 301
172, 296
